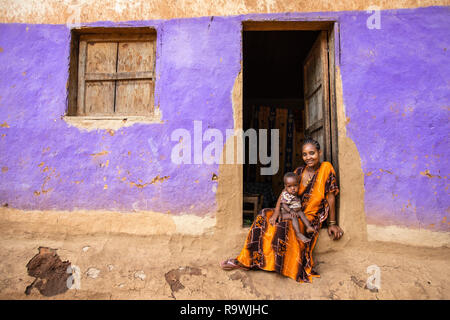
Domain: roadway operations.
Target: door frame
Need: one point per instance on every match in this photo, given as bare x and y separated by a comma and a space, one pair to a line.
331, 26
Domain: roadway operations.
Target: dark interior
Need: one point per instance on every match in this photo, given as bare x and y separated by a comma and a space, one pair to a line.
273, 63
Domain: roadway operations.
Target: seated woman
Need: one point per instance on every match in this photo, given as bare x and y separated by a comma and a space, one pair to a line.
271, 244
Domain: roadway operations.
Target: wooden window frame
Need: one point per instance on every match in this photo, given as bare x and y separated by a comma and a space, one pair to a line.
78, 77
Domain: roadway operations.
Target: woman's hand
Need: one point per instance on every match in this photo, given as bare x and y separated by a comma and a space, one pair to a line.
335, 232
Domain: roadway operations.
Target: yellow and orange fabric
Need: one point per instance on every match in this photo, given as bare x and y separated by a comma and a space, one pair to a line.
275, 247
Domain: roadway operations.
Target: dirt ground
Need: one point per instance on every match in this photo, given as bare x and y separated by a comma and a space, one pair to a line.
119, 266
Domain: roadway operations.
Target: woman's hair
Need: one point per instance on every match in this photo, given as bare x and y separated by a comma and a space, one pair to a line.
310, 140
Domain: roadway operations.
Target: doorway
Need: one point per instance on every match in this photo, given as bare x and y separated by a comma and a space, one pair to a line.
288, 83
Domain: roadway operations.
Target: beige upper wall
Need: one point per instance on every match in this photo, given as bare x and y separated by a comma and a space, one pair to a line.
83, 11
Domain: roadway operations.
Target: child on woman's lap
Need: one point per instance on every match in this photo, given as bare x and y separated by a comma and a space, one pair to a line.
291, 206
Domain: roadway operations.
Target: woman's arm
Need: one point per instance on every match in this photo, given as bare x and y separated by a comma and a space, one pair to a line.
331, 202
333, 229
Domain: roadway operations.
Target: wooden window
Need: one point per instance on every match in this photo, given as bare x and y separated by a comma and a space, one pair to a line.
115, 75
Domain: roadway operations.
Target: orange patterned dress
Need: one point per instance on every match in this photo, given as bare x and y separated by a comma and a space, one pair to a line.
275, 247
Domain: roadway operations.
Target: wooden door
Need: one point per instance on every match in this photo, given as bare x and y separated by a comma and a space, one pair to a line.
316, 95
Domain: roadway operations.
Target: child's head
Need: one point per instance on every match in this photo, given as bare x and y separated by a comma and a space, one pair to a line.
291, 182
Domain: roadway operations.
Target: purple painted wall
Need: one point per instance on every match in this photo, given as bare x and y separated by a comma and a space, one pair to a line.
191, 86
396, 94
396, 83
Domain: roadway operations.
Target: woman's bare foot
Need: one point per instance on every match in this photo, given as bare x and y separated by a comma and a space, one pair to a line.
232, 264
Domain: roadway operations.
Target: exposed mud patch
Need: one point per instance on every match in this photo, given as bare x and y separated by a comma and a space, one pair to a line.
246, 282
50, 273
173, 277
358, 282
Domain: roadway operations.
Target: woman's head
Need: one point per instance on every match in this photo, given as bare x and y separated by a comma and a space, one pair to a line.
311, 152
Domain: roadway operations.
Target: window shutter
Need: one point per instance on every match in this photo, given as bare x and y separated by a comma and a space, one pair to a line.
116, 75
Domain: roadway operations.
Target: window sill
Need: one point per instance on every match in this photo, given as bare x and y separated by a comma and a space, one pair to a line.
110, 122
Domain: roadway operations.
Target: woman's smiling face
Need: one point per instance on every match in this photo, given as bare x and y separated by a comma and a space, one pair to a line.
310, 155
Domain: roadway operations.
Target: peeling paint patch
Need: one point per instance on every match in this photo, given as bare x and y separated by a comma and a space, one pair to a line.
347, 120
418, 237
92, 273
158, 179
141, 185
194, 225
99, 154
106, 164
140, 275
4, 125
427, 173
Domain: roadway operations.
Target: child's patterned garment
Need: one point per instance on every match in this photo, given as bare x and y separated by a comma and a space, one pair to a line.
291, 200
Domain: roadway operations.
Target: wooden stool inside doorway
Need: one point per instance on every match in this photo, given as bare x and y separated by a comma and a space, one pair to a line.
256, 200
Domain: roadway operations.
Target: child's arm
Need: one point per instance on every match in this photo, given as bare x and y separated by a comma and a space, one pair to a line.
276, 212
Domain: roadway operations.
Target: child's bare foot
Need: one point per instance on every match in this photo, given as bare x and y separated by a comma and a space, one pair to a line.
301, 237
309, 229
